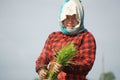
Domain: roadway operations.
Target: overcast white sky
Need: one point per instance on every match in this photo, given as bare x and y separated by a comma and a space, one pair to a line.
25, 25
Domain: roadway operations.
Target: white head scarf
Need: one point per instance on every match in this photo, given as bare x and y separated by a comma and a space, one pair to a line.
71, 7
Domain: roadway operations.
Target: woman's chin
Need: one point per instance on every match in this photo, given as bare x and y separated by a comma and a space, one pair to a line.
70, 28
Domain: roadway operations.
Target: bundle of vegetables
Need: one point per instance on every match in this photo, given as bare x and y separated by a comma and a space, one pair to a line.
62, 58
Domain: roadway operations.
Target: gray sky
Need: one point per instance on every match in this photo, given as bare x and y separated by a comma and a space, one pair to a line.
25, 25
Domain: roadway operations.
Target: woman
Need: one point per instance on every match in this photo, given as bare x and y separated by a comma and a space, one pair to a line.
72, 30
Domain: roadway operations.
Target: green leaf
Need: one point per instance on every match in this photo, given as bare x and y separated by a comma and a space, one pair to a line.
63, 57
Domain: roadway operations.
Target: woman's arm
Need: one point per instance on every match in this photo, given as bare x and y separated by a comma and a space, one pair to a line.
43, 60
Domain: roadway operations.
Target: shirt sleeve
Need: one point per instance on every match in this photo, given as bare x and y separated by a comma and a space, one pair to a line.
43, 60
84, 63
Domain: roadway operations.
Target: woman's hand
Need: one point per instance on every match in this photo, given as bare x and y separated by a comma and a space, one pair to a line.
54, 65
57, 67
43, 74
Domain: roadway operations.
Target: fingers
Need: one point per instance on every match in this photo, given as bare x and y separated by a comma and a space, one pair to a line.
43, 74
57, 68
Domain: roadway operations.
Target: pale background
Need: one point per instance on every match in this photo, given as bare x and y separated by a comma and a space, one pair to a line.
26, 24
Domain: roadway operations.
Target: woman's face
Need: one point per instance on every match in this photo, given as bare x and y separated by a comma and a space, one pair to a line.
70, 22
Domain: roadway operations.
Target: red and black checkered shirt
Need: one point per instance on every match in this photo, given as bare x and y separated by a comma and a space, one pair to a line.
84, 58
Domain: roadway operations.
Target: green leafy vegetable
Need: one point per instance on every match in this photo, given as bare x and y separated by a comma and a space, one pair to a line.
62, 57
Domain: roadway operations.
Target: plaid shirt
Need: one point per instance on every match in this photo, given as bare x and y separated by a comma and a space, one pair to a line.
84, 58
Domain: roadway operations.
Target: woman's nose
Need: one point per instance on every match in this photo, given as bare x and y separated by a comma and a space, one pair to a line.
70, 21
